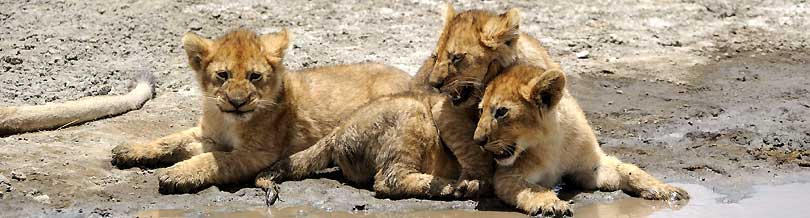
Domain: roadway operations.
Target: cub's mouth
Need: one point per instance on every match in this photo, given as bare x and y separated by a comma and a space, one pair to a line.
505, 153
462, 94
236, 112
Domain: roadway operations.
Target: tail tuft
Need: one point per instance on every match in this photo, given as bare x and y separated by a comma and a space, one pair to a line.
146, 78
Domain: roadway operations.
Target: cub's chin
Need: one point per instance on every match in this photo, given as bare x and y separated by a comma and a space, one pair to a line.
506, 161
237, 115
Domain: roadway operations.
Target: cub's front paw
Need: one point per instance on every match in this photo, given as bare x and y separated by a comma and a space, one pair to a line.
123, 156
548, 207
473, 189
664, 192
266, 180
175, 180
271, 195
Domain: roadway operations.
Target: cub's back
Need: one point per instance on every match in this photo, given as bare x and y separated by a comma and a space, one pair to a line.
326, 95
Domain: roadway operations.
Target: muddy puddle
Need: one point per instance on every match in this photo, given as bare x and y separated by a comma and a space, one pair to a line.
788, 200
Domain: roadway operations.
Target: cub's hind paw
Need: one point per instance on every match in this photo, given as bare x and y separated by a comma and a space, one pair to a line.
549, 208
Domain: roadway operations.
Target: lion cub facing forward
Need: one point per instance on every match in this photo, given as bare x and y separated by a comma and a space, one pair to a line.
538, 134
253, 111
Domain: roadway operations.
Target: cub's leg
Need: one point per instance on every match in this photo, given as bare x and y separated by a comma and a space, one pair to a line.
409, 154
297, 166
512, 187
162, 152
610, 174
346, 143
213, 168
457, 128
402, 181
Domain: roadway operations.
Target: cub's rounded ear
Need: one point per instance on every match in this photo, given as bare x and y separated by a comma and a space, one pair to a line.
274, 44
449, 13
501, 29
197, 48
546, 89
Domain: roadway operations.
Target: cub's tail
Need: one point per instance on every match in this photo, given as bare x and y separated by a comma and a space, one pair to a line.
53, 116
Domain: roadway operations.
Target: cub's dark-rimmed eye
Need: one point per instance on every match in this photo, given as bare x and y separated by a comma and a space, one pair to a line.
254, 76
456, 58
501, 112
223, 75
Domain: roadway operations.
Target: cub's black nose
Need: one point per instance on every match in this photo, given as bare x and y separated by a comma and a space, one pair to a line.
481, 142
237, 102
437, 84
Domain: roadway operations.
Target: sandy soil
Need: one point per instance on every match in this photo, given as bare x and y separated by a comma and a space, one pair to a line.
715, 93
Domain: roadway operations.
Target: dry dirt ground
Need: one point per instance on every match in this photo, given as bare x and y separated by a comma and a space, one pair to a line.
715, 93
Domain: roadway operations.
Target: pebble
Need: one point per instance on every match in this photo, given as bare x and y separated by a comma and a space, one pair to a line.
18, 176
43, 199
5, 186
583, 54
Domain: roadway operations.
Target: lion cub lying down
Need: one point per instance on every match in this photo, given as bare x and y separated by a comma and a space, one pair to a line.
538, 134
253, 111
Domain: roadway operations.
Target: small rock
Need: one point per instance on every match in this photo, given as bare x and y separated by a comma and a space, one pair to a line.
583, 54
5, 186
43, 199
607, 72
18, 176
361, 207
12, 60
72, 57
212, 190
195, 26
619, 92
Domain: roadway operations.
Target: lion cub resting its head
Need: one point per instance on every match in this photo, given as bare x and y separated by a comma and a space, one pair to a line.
538, 134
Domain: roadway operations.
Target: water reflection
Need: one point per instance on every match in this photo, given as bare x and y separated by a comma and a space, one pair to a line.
789, 200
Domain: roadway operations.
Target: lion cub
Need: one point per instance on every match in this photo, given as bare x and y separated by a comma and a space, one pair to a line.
254, 112
538, 134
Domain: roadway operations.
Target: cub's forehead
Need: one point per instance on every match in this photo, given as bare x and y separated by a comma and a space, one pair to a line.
493, 99
240, 64
501, 92
464, 39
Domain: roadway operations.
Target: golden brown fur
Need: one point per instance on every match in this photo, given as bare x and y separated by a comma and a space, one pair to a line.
253, 111
392, 143
473, 47
538, 135
369, 142
488, 42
